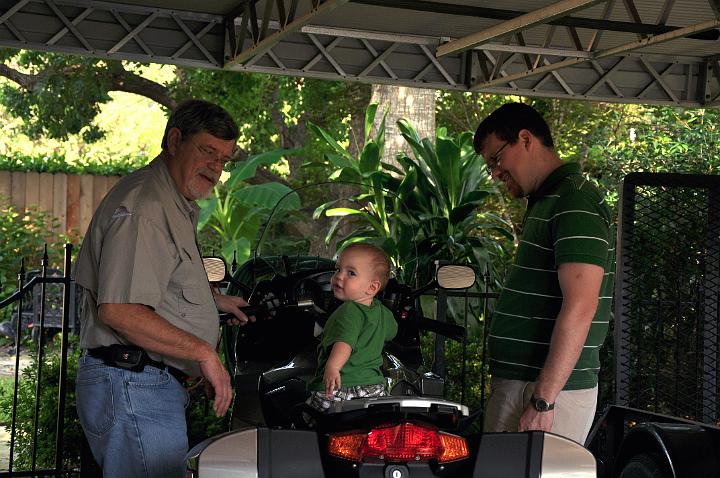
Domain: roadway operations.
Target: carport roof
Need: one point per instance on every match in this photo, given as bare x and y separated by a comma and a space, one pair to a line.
643, 51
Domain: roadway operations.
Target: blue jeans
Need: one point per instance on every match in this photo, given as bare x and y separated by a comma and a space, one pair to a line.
134, 421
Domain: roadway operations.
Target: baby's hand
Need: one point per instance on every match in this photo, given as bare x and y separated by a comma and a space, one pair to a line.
332, 381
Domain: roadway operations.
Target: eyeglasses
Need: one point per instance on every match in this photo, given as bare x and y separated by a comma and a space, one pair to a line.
493, 161
211, 154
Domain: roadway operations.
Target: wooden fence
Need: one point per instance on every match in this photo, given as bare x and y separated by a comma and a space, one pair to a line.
70, 198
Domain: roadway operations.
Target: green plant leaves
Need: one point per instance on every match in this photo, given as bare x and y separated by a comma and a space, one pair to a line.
430, 203
330, 141
207, 207
369, 120
370, 158
263, 195
245, 170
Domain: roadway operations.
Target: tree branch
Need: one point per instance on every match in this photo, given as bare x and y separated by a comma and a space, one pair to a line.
123, 80
120, 80
26, 81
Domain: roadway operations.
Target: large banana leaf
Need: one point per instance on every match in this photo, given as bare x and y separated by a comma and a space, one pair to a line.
264, 195
247, 169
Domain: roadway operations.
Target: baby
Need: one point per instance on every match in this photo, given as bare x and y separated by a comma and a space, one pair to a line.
350, 352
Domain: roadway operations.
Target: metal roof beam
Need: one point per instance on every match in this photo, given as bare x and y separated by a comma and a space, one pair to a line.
518, 24
324, 52
12, 11
653, 40
262, 43
657, 80
502, 14
665, 12
715, 5
597, 35
634, 15
68, 24
433, 41
605, 78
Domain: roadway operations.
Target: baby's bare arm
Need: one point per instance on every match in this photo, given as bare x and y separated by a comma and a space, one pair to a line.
339, 355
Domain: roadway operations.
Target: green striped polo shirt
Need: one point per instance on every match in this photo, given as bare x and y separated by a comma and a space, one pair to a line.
567, 220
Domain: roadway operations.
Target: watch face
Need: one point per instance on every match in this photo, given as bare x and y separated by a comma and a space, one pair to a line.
542, 405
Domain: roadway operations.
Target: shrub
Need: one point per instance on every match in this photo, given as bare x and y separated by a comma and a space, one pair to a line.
47, 414
24, 235
58, 164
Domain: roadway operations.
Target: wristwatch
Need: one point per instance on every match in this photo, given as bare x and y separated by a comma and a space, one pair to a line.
540, 404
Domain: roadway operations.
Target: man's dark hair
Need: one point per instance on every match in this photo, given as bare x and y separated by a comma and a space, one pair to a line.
195, 116
507, 121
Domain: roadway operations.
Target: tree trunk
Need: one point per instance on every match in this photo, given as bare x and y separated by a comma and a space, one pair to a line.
418, 106
414, 104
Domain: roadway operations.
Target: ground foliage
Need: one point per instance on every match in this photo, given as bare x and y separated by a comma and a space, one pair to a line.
47, 413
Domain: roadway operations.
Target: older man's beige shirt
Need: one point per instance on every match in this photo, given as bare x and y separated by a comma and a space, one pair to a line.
140, 248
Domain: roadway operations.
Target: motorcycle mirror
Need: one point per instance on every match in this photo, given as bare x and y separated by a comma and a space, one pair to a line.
455, 277
215, 268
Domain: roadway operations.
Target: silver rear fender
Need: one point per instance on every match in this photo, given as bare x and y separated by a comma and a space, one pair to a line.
563, 458
231, 455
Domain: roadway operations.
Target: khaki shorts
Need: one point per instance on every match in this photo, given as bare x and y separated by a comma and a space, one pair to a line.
574, 409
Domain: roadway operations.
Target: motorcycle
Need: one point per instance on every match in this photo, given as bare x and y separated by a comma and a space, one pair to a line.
412, 432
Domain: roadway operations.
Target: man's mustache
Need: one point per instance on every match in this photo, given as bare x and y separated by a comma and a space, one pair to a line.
209, 173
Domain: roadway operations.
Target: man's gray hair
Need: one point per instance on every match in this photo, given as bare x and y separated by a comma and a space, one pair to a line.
195, 116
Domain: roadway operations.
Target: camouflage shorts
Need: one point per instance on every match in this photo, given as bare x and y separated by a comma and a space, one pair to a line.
320, 402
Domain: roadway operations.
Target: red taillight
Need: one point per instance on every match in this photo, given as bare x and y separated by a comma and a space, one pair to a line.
347, 445
404, 442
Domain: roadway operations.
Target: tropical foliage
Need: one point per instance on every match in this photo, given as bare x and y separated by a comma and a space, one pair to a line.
234, 214
427, 209
382, 219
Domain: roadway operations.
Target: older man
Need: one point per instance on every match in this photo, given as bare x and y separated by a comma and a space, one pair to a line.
553, 312
148, 314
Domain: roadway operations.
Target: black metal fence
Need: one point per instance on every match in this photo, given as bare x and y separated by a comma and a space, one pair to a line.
667, 331
24, 292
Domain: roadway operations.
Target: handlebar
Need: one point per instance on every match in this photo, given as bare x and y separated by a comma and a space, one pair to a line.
256, 310
264, 310
451, 331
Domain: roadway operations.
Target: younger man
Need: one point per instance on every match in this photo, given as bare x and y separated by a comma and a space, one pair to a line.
351, 347
553, 313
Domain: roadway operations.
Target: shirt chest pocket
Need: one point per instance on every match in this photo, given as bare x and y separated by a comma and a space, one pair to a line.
195, 302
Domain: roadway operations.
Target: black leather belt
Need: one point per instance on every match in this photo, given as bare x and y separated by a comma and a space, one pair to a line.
129, 357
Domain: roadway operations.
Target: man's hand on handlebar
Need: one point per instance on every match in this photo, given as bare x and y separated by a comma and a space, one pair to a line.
232, 305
